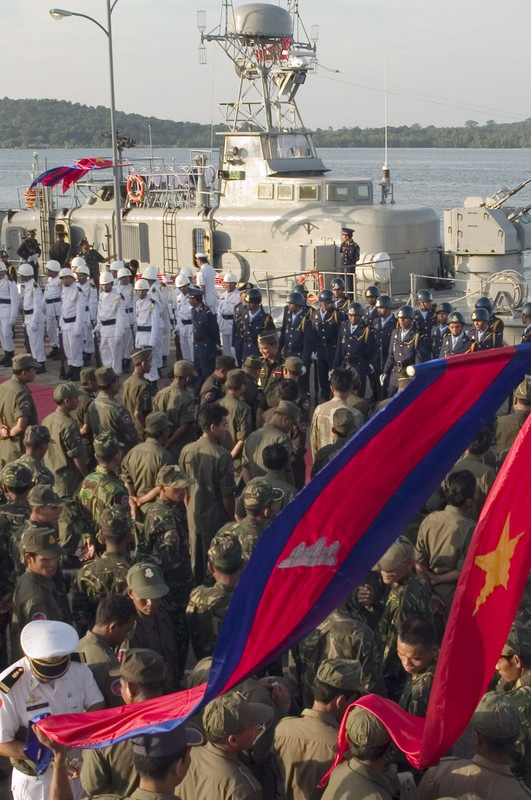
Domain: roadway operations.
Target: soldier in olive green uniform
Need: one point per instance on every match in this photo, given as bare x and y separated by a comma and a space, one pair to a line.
208, 604
165, 541
142, 463
114, 619
135, 391
104, 487
508, 426
261, 501
239, 417
213, 388
65, 456
107, 414
17, 409
305, 746
87, 393
36, 441
106, 574
178, 403
272, 361
418, 653
289, 391
277, 430
343, 427
254, 395
44, 510
514, 666
276, 462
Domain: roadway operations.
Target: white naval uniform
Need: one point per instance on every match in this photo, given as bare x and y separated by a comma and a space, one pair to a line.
73, 323
34, 318
52, 309
208, 273
148, 331
111, 328
128, 296
9, 304
183, 316
159, 294
91, 311
25, 698
227, 303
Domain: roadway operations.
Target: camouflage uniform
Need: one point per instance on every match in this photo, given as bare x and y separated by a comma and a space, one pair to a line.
95, 580
99, 490
277, 480
40, 473
416, 692
204, 614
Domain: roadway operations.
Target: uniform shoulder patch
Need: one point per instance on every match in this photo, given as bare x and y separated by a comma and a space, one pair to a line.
80, 658
39, 615
9, 680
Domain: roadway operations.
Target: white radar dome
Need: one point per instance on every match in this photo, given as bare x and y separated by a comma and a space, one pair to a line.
263, 20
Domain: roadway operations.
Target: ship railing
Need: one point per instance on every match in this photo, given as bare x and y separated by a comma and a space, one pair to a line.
314, 280
175, 187
505, 301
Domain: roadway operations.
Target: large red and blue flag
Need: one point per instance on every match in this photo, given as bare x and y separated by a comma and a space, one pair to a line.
70, 173
323, 544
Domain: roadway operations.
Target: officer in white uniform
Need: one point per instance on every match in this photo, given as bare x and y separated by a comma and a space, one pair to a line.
148, 326
127, 293
33, 311
183, 316
52, 306
72, 322
227, 302
91, 308
208, 275
158, 292
47, 679
111, 323
9, 303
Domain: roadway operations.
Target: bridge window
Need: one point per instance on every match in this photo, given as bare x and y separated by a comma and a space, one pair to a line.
308, 192
285, 191
337, 192
362, 191
265, 191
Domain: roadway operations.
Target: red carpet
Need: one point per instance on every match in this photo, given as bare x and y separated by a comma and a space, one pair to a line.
43, 399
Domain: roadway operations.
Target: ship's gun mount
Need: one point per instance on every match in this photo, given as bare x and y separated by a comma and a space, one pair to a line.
497, 199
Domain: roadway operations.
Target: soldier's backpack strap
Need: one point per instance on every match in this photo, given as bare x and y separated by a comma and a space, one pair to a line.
9, 680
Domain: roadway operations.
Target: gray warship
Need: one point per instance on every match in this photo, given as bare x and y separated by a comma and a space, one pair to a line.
265, 207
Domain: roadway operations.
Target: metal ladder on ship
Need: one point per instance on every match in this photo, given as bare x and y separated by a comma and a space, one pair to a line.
169, 241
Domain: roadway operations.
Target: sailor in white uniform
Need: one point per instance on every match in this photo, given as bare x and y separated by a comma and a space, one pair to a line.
208, 275
9, 303
47, 680
72, 322
183, 316
150, 275
52, 306
148, 325
127, 293
91, 309
111, 323
33, 311
227, 302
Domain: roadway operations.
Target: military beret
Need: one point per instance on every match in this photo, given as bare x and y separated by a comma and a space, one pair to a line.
139, 356
230, 714
146, 581
169, 743
364, 729
195, 291
42, 541
36, 434
87, 375
288, 409
235, 379
344, 421
518, 641
16, 476
106, 445
341, 674
115, 521
156, 423
184, 369
105, 376
225, 362
225, 551
170, 475
46, 638
141, 665
294, 364
44, 495
523, 390
260, 494
268, 337
400, 551
497, 717
254, 362
24, 361
64, 391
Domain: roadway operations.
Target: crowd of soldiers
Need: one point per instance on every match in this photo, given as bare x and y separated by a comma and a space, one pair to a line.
128, 515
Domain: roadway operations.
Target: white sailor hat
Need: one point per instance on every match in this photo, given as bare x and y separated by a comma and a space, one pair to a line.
66, 273
182, 280
83, 269
201, 255
116, 265
150, 274
123, 272
26, 270
141, 284
77, 262
106, 277
46, 638
230, 277
53, 266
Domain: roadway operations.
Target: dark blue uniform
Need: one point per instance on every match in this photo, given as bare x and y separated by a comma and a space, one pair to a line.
371, 315
325, 329
296, 339
252, 328
414, 349
526, 336
438, 332
206, 343
341, 306
382, 338
451, 348
356, 347
349, 256
237, 332
424, 323
497, 325
488, 339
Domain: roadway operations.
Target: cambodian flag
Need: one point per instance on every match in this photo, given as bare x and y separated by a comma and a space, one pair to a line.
70, 173
323, 544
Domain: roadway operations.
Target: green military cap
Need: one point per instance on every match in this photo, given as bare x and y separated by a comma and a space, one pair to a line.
42, 541
106, 445
344, 421
167, 743
184, 369
87, 375
260, 494
294, 364
268, 337
36, 434
199, 674
64, 391
523, 390
24, 361
231, 714
144, 354
225, 551
115, 521
170, 475
254, 362
229, 527
105, 376
156, 423
518, 642
364, 729
235, 379
288, 409
146, 581
400, 551
341, 674
225, 362
16, 476
141, 665
45, 495
497, 717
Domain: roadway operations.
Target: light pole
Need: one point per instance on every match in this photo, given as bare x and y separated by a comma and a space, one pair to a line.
59, 13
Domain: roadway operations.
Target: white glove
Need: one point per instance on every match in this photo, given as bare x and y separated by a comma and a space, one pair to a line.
382, 379
33, 258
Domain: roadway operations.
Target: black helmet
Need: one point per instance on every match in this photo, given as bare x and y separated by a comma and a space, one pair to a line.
300, 288
424, 296
406, 312
526, 309
484, 302
297, 299
326, 296
480, 315
372, 291
253, 296
338, 283
356, 309
384, 301
456, 316
447, 307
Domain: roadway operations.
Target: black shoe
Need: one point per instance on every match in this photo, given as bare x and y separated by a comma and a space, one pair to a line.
74, 374
153, 388
41, 368
8, 358
54, 353
87, 359
126, 365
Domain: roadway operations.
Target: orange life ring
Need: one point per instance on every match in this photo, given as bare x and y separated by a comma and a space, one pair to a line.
319, 280
31, 197
136, 188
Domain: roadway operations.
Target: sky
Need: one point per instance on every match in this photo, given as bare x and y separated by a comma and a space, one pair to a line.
447, 62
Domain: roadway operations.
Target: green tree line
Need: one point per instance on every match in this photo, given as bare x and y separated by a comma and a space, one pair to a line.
59, 123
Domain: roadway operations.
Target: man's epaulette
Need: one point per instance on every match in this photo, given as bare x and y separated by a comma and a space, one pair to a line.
79, 657
9, 680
